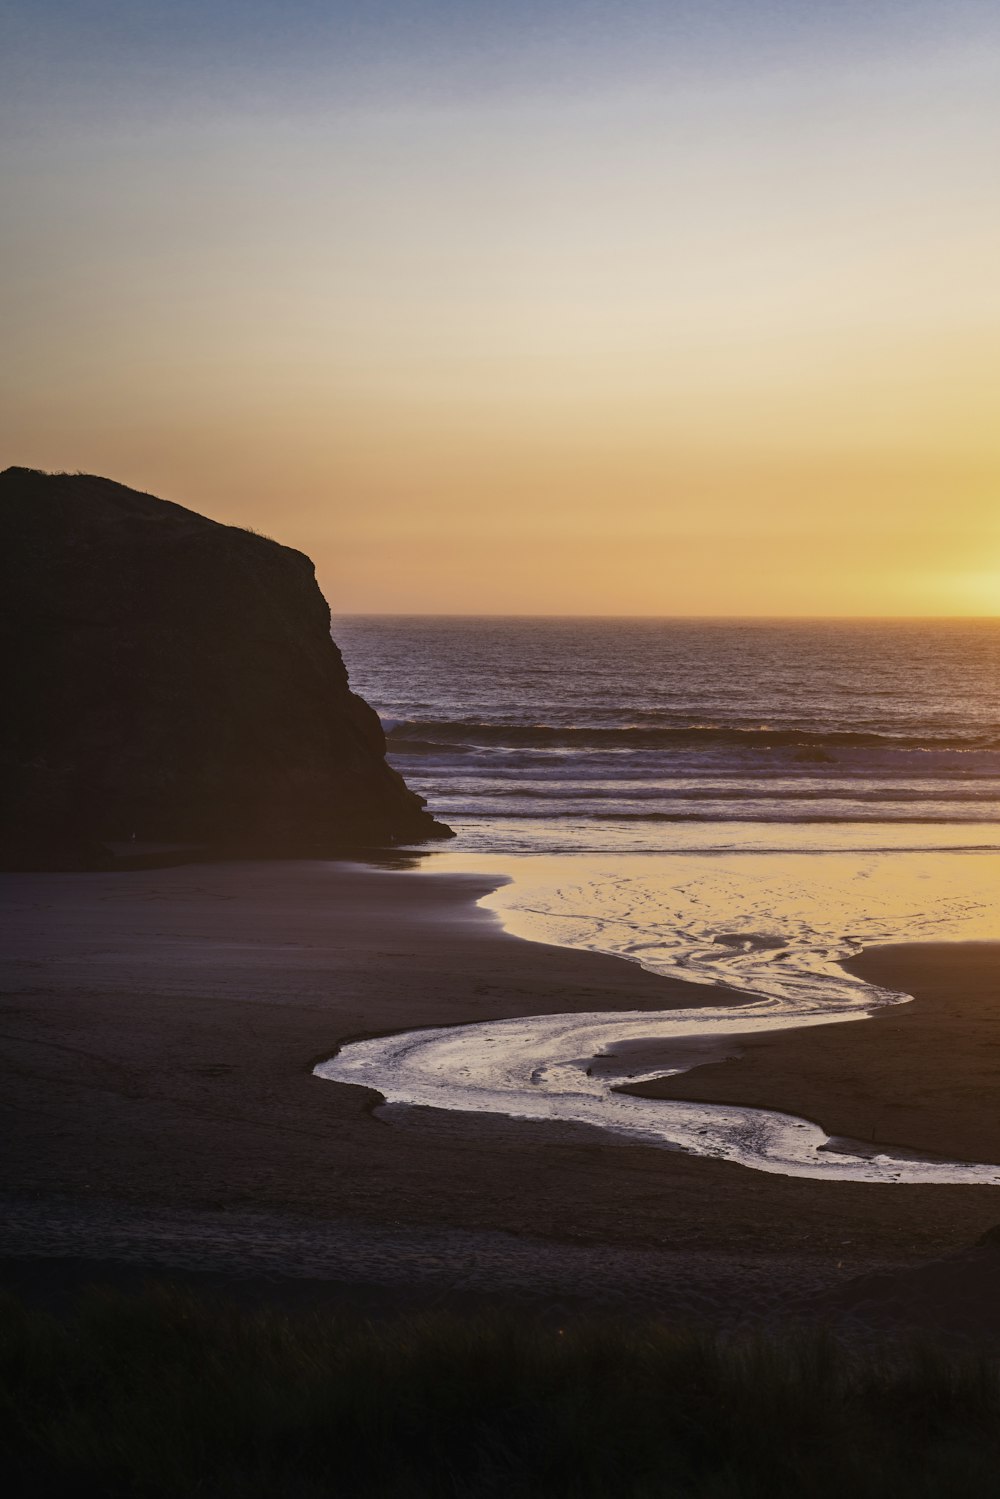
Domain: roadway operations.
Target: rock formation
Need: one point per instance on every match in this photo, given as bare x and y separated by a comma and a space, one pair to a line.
170, 680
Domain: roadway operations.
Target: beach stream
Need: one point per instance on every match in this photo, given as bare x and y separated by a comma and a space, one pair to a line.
774, 925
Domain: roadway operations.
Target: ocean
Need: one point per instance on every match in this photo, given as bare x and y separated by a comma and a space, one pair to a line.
742, 804
593, 734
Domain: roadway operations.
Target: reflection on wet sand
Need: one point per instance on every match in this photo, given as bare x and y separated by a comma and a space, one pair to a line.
774, 926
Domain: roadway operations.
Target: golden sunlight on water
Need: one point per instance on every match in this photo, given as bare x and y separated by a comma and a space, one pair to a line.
776, 924
773, 924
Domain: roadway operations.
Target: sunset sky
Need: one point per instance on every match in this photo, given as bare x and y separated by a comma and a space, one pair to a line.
542, 306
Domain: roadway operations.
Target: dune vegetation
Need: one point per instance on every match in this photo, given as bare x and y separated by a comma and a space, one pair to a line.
165, 1393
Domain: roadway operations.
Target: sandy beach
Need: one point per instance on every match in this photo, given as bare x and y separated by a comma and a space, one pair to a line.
160, 1028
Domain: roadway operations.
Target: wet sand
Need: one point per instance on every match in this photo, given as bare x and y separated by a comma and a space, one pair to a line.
924, 1076
159, 1030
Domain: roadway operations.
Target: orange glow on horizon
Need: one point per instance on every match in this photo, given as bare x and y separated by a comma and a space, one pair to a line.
624, 341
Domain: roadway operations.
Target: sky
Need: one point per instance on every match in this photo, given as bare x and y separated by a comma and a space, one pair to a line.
561, 307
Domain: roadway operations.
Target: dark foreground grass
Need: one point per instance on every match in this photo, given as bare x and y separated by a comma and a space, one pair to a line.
163, 1394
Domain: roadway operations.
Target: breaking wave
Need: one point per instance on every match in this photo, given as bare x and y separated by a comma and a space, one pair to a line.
411, 736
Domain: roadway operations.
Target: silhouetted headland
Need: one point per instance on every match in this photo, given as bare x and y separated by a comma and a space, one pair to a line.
171, 681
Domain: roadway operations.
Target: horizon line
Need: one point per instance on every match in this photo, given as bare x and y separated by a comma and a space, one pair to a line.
732, 618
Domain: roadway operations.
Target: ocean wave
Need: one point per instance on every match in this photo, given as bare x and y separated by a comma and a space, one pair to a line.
587, 792
403, 746
736, 812
429, 735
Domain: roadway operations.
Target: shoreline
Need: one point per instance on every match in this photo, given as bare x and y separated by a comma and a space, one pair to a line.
160, 1028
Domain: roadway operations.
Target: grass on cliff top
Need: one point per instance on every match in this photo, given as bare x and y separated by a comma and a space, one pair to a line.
163, 1394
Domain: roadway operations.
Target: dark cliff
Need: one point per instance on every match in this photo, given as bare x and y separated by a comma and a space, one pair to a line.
173, 679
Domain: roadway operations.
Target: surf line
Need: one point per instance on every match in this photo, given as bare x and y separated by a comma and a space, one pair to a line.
565, 1068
